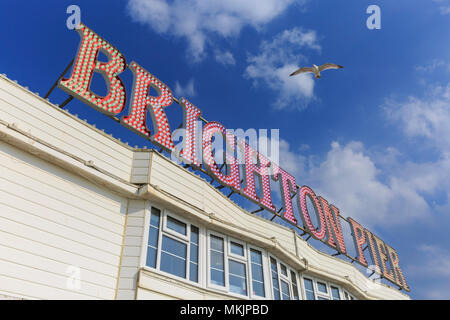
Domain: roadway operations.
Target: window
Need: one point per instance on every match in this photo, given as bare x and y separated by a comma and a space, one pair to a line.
173, 245
335, 294
284, 283
256, 260
321, 290
217, 261
348, 296
309, 289
235, 267
178, 248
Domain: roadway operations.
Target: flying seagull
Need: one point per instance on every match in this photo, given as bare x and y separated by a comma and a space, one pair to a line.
316, 70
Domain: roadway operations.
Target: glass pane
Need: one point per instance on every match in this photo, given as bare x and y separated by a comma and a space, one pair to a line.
216, 243
176, 225
294, 286
258, 288
153, 237
218, 277
174, 247
194, 253
151, 257
193, 272
173, 265
154, 218
257, 272
217, 260
309, 295
273, 265
238, 285
194, 234
322, 298
256, 256
335, 293
283, 270
322, 287
276, 294
285, 290
237, 248
308, 284
236, 268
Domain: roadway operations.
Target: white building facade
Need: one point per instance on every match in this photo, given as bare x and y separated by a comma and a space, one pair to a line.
85, 216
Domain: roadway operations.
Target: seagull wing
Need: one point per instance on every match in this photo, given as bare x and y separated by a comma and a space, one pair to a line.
327, 66
302, 70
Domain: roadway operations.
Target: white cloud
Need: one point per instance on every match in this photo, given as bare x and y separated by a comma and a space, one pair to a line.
185, 91
435, 64
426, 117
445, 10
199, 20
277, 60
224, 57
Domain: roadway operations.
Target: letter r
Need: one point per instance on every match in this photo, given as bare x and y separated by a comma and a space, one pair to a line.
141, 100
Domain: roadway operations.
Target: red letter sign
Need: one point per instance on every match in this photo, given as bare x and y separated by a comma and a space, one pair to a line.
86, 64
288, 187
231, 180
190, 124
334, 229
359, 238
137, 115
262, 170
320, 232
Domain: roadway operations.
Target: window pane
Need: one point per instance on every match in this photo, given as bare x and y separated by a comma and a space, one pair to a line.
322, 287
236, 268
257, 272
176, 225
151, 257
294, 286
218, 277
193, 272
174, 247
173, 257
237, 277
217, 260
153, 237
154, 218
335, 293
283, 270
194, 253
309, 295
322, 298
308, 284
173, 264
194, 235
285, 290
256, 256
274, 272
216, 243
237, 248
258, 288
238, 285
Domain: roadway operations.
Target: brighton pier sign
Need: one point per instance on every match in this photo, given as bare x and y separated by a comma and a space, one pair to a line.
242, 180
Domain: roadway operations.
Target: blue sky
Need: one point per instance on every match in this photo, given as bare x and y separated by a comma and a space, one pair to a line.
373, 138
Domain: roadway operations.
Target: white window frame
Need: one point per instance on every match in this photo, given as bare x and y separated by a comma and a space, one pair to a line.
328, 284
283, 277
176, 236
266, 274
224, 288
